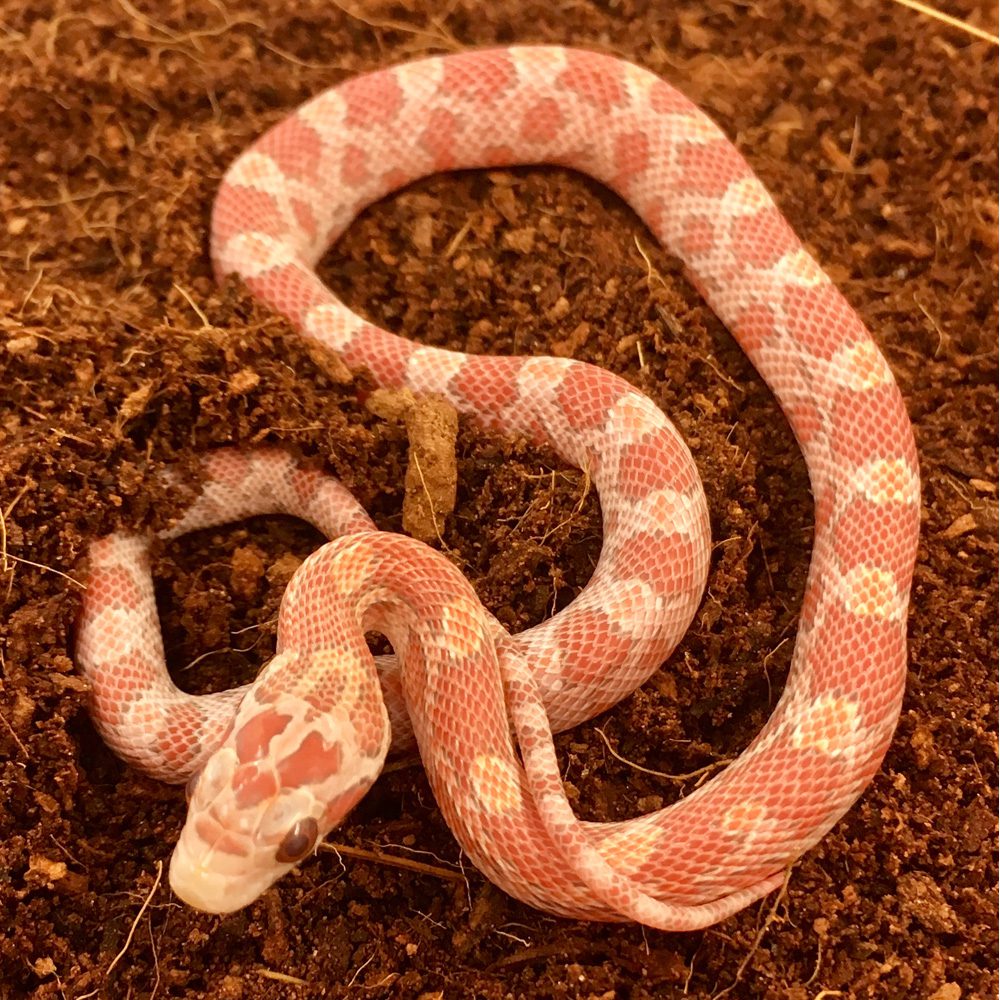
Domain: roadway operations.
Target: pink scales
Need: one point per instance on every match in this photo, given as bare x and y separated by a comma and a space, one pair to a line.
280, 764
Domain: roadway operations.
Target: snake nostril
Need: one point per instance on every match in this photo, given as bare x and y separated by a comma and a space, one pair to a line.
298, 842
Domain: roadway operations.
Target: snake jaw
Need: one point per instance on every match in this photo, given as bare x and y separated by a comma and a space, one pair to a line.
197, 879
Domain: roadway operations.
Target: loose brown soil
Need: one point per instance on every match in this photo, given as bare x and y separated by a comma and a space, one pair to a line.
875, 128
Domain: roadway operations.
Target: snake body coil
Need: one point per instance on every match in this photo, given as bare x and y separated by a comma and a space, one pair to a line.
278, 764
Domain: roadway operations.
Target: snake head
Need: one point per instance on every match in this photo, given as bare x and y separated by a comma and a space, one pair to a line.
287, 774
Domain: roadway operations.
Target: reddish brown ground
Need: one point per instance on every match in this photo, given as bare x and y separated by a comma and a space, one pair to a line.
875, 128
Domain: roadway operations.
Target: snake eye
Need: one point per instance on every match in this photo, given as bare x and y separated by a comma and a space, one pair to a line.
298, 842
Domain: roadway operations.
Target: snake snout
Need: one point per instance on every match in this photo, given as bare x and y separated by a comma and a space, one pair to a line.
285, 776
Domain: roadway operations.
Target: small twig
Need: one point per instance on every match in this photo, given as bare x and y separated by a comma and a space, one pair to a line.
513, 937
296, 61
456, 240
428, 497
690, 972
30, 292
651, 271
468, 887
361, 968
569, 474
768, 920
401, 765
50, 569
250, 628
718, 371
194, 305
767, 676
3, 543
203, 656
392, 861
148, 22
579, 507
156, 958
4, 514
138, 917
819, 961
657, 774
942, 337
282, 977
24, 749
417, 850
938, 15
65, 199
441, 35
